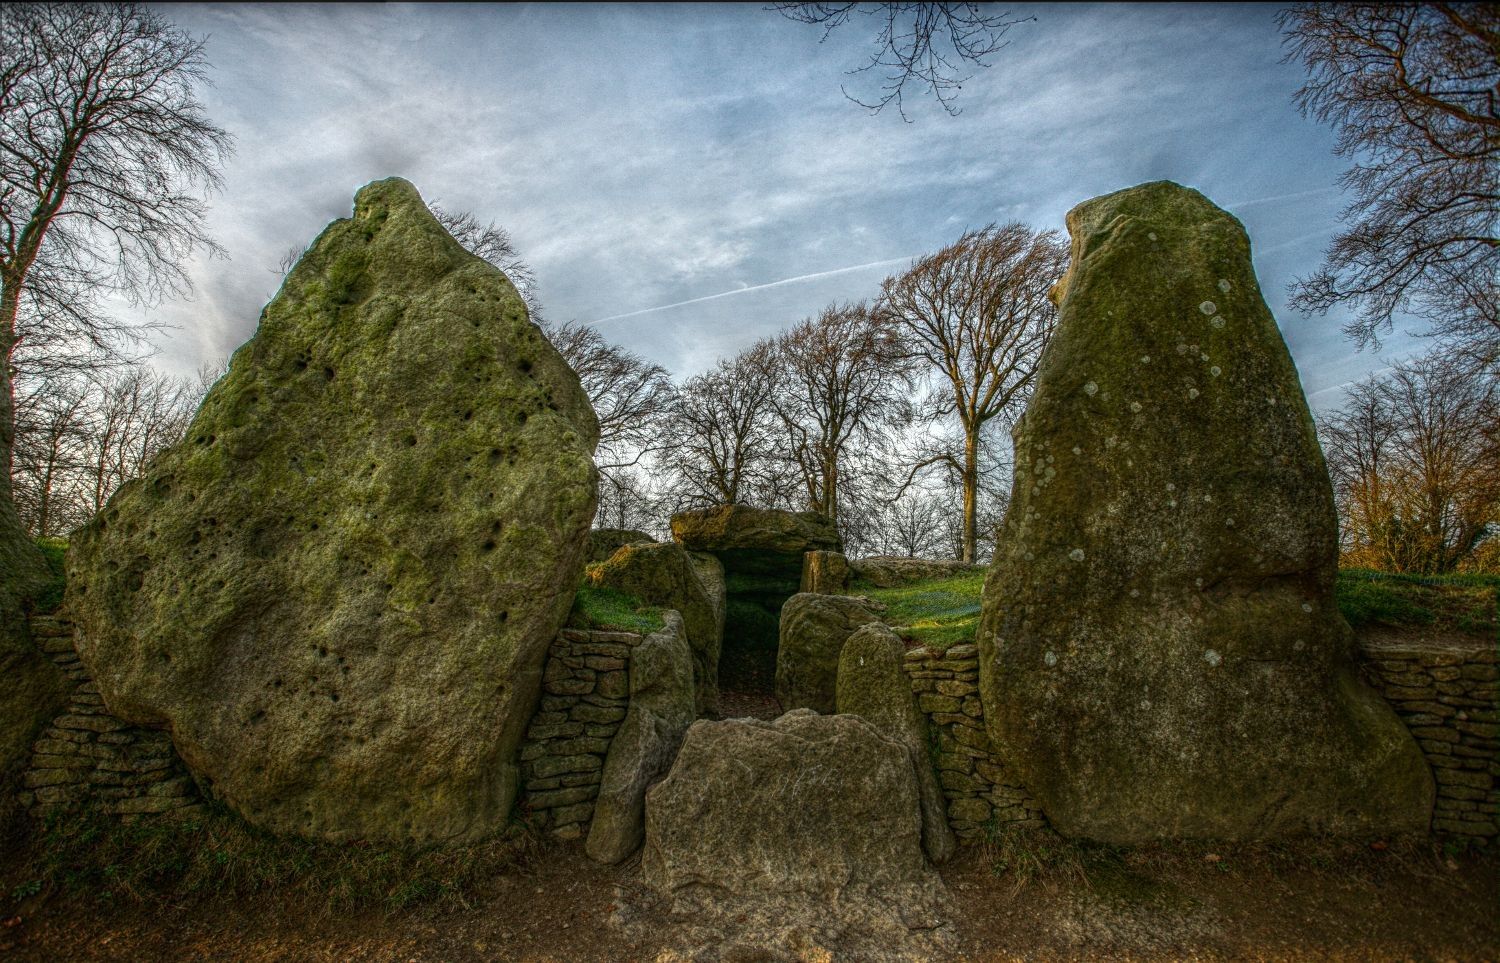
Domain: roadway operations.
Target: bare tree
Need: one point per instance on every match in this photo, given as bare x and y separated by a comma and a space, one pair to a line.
836, 380
632, 397
492, 243
924, 43
1415, 461
1412, 90
52, 422
720, 434
977, 315
107, 153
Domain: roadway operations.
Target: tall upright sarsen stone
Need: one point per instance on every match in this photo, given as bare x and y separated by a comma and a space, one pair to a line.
1161, 652
337, 592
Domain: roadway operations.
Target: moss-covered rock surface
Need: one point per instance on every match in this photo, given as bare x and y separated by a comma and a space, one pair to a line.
1161, 650
665, 574
337, 592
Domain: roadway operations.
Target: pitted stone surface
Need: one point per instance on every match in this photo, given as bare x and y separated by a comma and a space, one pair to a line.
1161, 651
337, 592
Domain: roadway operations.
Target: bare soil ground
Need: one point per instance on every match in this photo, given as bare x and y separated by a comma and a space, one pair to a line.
1322, 900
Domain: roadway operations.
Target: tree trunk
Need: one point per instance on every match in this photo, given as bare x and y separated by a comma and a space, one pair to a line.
23, 570
971, 494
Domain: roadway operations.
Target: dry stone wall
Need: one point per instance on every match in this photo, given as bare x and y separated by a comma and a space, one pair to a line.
980, 792
585, 692
1447, 696
88, 758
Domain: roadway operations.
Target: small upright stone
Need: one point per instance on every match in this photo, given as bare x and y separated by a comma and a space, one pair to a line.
813, 631
1161, 653
826, 573
873, 686
338, 590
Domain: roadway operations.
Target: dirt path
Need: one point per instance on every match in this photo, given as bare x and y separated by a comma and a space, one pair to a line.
1334, 904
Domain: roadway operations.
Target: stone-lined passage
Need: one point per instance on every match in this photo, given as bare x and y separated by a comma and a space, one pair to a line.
87, 758
585, 691
1446, 695
980, 793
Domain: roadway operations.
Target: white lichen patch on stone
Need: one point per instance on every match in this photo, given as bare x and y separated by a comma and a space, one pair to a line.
1050, 658
1306, 607
1208, 307
1091, 389
1151, 235
1212, 657
1135, 406
1076, 555
1077, 450
1145, 359
1192, 392
1182, 349
1217, 321
1215, 370
1224, 285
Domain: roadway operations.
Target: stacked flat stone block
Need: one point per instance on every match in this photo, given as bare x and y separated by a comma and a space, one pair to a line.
87, 758
585, 691
980, 793
1447, 696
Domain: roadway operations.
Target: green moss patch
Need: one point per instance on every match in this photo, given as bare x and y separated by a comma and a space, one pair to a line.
1464, 604
938, 612
597, 607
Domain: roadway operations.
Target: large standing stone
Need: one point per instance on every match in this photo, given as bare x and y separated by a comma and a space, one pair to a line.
873, 686
803, 830
666, 574
1161, 652
661, 709
338, 591
813, 631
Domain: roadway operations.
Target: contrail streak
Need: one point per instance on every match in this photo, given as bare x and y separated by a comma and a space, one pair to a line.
757, 287
1282, 197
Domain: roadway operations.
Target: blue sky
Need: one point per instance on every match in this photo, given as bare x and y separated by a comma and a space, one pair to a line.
692, 178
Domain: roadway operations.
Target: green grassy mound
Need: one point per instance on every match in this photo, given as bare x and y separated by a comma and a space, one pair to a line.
938, 612
612, 610
1464, 604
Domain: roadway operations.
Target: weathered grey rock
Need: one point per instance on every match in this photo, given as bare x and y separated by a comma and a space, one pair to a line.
813, 631
873, 686
666, 574
1161, 654
661, 709
826, 573
730, 528
338, 591
604, 542
798, 834
890, 571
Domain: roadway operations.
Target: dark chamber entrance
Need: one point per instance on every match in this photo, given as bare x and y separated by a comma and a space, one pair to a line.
756, 583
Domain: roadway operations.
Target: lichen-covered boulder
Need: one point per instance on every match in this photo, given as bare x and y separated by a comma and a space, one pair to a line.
873, 686
338, 591
604, 542
890, 571
813, 631
1161, 654
661, 709
826, 573
665, 574
803, 830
